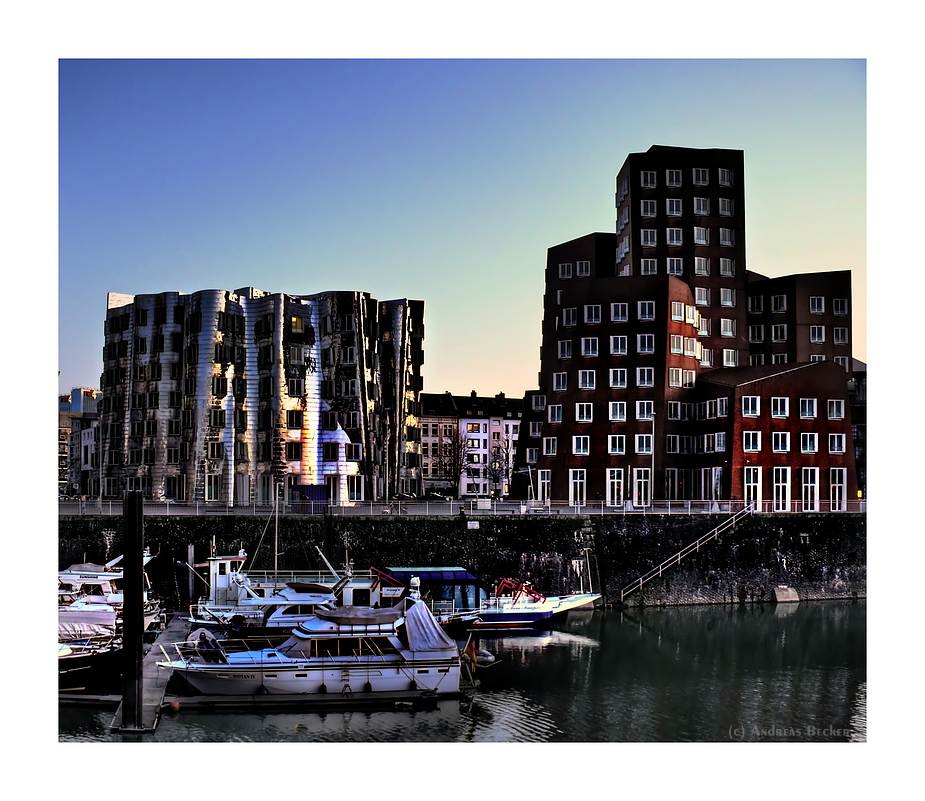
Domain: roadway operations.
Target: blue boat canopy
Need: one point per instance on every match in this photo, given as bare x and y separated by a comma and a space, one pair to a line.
457, 575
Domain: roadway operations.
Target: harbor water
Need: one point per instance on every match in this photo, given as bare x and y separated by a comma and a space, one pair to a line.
744, 673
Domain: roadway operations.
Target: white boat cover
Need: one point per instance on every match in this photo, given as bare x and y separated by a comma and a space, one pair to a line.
359, 615
86, 621
424, 632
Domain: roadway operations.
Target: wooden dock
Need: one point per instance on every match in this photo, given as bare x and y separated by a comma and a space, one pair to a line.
154, 680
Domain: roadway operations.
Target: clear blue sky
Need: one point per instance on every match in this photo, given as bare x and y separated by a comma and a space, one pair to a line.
444, 181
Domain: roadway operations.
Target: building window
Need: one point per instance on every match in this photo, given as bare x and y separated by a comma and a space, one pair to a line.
751, 441
586, 379
618, 345
817, 334
645, 376
677, 311
647, 179
676, 343
841, 361
673, 177
751, 404
781, 441
648, 267
701, 176
569, 317
645, 343
838, 481
725, 207
618, 411
673, 207
840, 306
840, 336
643, 443
671, 443
720, 442
647, 208
701, 236
581, 445
836, 443
778, 358
727, 297
649, 237
727, 327
615, 444
702, 206
702, 296
592, 314
619, 312
808, 442
778, 303
618, 378
727, 267
565, 270
532, 454
706, 357
726, 237
560, 382
816, 304
646, 310
645, 410
756, 333
810, 489
674, 410
555, 413
807, 408
780, 407
836, 409
583, 269
725, 177
549, 446
565, 349
539, 403
674, 377
701, 266
779, 332
674, 236
675, 266
589, 346
584, 412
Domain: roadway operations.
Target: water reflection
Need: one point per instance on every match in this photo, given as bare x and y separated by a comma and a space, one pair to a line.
749, 673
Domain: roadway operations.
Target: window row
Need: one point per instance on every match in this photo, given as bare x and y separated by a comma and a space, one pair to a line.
582, 269
817, 335
700, 176
674, 237
816, 304
780, 407
674, 207
780, 442
675, 266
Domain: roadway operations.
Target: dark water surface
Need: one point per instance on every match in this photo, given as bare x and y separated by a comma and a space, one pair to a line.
759, 673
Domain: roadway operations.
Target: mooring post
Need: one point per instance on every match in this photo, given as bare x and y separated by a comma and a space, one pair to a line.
133, 611
191, 561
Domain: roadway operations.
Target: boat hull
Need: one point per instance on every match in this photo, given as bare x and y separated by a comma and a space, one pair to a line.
348, 682
98, 672
530, 614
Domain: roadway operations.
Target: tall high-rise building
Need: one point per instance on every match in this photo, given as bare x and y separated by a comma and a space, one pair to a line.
645, 356
223, 397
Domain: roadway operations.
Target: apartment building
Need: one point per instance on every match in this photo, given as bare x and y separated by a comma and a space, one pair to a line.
469, 442
226, 397
77, 415
647, 337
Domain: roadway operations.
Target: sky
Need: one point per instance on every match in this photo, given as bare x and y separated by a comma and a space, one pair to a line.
438, 180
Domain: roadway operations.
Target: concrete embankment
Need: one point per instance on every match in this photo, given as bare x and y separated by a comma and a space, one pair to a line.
821, 556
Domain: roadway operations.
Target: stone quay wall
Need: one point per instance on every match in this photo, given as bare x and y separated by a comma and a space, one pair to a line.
821, 556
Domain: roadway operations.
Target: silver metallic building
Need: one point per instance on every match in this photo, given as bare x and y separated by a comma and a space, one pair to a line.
220, 396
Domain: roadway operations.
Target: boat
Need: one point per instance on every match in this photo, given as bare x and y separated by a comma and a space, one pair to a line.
93, 664
268, 599
90, 583
89, 647
518, 605
346, 654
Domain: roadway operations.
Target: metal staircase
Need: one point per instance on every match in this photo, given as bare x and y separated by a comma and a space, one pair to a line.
686, 551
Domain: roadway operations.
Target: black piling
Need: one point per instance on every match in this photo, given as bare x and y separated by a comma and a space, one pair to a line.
132, 612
